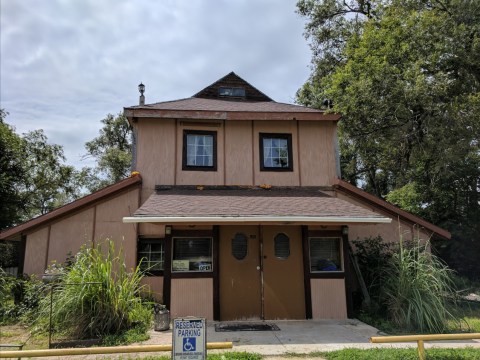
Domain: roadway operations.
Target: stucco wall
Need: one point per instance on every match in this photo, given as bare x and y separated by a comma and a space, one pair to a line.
54, 240
160, 149
389, 232
69, 234
36, 252
328, 299
192, 297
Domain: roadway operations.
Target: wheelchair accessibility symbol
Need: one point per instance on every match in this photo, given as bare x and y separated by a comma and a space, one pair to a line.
189, 344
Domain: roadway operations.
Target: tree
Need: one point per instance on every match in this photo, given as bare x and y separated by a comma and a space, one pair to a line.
48, 183
407, 82
112, 149
11, 173
33, 177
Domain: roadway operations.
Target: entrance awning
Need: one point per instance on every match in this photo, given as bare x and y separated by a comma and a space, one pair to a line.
280, 205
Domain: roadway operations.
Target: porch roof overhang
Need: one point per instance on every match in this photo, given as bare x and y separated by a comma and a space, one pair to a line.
253, 205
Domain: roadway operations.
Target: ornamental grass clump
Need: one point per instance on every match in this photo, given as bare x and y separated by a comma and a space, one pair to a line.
417, 287
97, 295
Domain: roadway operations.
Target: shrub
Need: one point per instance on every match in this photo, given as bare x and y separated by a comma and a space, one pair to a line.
415, 289
20, 297
97, 296
373, 255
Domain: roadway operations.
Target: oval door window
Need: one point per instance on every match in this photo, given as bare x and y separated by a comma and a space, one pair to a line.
239, 246
282, 246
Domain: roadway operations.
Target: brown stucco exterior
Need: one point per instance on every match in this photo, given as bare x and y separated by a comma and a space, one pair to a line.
262, 285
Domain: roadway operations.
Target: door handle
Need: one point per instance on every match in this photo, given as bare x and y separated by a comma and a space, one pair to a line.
258, 267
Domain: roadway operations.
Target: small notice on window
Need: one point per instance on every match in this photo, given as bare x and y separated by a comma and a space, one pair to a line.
181, 265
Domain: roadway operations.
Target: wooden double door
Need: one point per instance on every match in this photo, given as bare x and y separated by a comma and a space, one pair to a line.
263, 279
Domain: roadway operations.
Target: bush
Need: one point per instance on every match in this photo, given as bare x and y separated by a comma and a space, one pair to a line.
373, 255
97, 296
416, 288
20, 297
408, 285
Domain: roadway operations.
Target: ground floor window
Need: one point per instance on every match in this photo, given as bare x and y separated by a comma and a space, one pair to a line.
325, 254
193, 254
151, 256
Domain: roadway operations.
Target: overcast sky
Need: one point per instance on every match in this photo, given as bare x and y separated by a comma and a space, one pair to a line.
65, 64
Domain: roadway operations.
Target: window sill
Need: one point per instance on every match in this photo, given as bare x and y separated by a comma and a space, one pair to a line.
192, 275
328, 275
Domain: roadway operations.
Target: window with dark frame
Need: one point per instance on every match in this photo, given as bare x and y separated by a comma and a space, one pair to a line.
199, 150
282, 246
192, 254
325, 254
239, 246
276, 152
225, 91
151, 256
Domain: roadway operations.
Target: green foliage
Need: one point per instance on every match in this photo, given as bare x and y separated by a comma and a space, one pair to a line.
11, 173
408, 198
113, 151
373, 256
33, 176
415, 289
48, 183
9, 252
20, 297
410, 287
398, 354
405, 76
97, 296
227, 355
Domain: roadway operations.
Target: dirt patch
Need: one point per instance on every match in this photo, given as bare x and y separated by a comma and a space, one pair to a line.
14, 334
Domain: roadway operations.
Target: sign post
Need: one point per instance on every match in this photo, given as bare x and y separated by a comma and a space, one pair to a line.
189, 339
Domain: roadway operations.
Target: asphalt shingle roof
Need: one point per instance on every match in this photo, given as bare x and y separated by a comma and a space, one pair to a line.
200, 104
176, 202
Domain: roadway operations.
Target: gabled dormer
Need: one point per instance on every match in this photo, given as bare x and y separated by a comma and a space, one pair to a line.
232, 87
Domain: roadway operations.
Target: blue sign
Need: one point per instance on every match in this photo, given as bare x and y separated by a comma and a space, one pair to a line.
189, 344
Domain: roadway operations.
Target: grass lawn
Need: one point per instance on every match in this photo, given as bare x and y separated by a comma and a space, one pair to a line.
399, 354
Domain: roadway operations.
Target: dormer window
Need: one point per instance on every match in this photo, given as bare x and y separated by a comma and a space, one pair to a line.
199, 150
225, 91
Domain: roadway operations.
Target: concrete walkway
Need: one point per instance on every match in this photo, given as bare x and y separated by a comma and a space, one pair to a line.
301, 337
304, 337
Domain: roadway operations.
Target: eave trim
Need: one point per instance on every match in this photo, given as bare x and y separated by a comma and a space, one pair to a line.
250, 219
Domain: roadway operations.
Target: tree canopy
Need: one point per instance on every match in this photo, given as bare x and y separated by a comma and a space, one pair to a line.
33, 176
406, 77
112, 150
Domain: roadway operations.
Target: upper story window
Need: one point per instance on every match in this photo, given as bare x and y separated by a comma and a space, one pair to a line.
199, 150
231, 91
276, 152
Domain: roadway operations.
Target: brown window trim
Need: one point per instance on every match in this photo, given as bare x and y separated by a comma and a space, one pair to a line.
288, 137
149, 273
184, 154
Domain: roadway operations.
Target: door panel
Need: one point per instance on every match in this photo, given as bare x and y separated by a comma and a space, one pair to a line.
283, 278
240, 288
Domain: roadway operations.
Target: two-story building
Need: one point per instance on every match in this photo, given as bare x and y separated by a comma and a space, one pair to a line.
238, 211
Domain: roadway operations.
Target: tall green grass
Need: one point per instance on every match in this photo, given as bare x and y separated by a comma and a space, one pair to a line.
416, 289
97, 295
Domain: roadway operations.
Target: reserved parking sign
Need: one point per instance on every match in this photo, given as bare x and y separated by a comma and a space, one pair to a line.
189, 339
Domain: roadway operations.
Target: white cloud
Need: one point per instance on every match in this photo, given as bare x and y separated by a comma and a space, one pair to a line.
66, 64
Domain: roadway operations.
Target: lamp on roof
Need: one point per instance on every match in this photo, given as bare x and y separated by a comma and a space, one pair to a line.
141, 88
